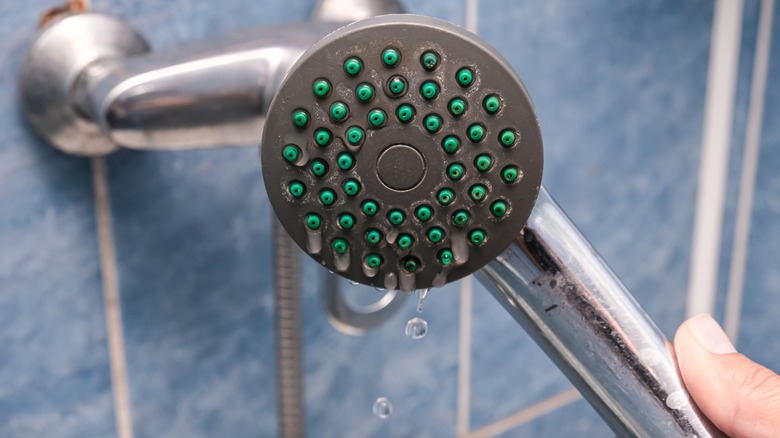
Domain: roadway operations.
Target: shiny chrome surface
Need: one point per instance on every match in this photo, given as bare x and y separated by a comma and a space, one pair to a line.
347, 11
560, 290
356, 319
200, 96
87, 85
60, 52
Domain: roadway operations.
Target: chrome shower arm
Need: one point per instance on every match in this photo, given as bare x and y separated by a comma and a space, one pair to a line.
90, 82
559, 289
202, 96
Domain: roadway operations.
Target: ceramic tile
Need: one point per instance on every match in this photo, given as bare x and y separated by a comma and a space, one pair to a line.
575, 419
54, 371
759, 329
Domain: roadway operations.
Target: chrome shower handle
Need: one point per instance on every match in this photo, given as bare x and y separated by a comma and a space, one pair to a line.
561, 291
90, 84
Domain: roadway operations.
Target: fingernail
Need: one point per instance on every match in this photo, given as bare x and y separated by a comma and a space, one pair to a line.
709, 335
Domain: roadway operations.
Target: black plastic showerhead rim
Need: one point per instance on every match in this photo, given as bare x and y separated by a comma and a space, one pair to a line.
402, 152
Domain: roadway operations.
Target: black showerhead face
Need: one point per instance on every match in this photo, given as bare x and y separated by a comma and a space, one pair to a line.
402, 152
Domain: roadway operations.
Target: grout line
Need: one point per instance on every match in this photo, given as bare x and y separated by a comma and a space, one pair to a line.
749, 169
464, 359
472, 16
463, 403
714, 159
108, 269
525, 415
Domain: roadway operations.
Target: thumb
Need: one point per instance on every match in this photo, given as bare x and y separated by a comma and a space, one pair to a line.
741, 397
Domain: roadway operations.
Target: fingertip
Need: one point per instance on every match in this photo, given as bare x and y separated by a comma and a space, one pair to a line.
701, 371
739, 396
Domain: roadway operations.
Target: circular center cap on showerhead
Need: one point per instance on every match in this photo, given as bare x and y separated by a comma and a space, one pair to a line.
400, 167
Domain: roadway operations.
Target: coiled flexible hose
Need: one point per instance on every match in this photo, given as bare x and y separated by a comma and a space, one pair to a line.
288, 336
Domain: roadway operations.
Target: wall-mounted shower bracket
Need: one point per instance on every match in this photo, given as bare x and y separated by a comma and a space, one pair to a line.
60, 57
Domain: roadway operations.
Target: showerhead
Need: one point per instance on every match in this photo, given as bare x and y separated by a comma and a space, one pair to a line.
402, 152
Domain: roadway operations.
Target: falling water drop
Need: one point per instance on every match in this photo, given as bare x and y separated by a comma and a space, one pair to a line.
383, 408
421, 294
416, 328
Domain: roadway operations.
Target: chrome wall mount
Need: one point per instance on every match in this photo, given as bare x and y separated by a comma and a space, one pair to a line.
90, 84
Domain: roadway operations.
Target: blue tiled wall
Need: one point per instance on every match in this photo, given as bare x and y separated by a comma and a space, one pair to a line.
619, 88
54, 372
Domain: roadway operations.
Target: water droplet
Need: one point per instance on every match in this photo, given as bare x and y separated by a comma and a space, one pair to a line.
353, 283
416, 328
421, 294
383, 408
380, 289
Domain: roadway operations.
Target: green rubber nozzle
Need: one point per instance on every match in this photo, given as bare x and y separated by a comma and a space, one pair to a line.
340, 246
346, 221
351, 187
433, 123
423, 213
321, 88
457, 107
510, 174
435, 234
461, 218
322, 137
405, 113
297, 189
465, 77
373, 260
369, 208
445, 196
492, 104
353, 66
377, 118
429, 60
391, 57
319, 167
446, 257
300, 118
477, 237
345, 161
373, 236
455, 171
313, 221
450, 144
396, 217
291, 153
364, 92
405, 241
339, 111
327, 197
476, 132
429, 90
507, 137
355, 135
498, 208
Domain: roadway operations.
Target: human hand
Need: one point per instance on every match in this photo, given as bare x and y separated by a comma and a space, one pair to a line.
741, 397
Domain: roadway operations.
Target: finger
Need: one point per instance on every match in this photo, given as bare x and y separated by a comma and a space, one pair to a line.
741, 397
